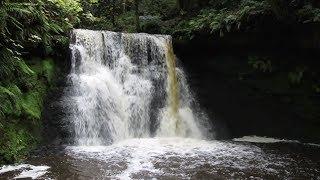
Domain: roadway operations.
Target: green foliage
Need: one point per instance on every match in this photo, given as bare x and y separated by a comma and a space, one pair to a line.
308, 14
222, 16
218, 17
316, 88
29, 103
296, 76
36, 23
68, 6
15, 142
158, 8
151, 25
48, 69
219, 21
24, 26
32, 105
20, 112
260, 63
98, 23
8, 63
125, 22
9, 97
27, 26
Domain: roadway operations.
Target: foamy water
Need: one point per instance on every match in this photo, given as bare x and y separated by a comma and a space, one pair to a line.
173, 158
25, 171
178, 157
126, 86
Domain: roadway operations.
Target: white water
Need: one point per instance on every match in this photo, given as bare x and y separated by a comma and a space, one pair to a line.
127, 86
258, 139
27, 170
176, 158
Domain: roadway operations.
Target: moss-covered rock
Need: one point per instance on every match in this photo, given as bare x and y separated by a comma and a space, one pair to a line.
21, 107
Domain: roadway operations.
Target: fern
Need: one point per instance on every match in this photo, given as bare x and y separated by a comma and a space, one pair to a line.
10, 98
27, 24
8, 63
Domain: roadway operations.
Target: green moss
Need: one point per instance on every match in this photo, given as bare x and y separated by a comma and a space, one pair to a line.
32, 101
32, 105
48, 68
20, 110
16, 142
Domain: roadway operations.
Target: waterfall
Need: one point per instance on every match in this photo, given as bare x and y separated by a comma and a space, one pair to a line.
127, 86
173, 93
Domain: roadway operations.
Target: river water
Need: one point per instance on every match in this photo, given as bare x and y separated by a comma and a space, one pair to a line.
173, 158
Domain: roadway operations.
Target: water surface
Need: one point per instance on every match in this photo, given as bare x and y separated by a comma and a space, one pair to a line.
178, 158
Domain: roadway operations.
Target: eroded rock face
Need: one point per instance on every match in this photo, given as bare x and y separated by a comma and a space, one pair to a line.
246, 101
53, 132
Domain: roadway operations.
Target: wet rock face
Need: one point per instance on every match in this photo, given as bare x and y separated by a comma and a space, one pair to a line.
121, 86
54, 131
243, 103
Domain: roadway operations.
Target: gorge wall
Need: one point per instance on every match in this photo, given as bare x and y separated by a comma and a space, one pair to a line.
247, 83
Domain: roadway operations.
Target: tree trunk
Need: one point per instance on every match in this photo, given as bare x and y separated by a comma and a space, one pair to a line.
136, 8
124, 6
184, 4
179, 4
113, 16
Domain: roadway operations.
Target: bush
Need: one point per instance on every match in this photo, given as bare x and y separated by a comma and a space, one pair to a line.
151, 24
20, 111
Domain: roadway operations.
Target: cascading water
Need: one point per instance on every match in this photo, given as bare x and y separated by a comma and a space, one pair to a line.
128, 86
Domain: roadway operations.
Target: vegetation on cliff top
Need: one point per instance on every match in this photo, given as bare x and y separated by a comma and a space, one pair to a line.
185, 19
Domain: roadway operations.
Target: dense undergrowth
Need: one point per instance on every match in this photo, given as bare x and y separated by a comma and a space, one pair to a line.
21, 106
216, 17
34, 38
223, 17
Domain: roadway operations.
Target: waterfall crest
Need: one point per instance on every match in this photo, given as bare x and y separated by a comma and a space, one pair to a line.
127, 86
